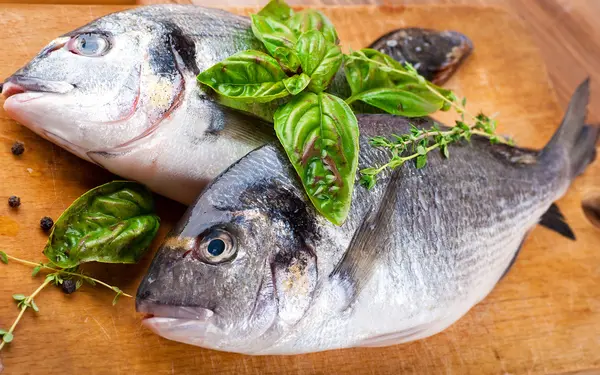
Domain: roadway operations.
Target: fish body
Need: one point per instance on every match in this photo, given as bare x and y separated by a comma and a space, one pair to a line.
121, 92
252, 268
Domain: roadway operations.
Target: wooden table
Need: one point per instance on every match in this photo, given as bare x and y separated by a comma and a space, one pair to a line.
543, 318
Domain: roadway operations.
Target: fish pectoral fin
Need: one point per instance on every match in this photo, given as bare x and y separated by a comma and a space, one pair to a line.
554, 220
371, 239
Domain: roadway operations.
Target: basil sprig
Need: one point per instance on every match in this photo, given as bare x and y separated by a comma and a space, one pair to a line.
303, 57
318, 130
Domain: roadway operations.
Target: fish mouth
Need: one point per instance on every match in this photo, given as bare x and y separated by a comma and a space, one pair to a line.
20, 84
156, 310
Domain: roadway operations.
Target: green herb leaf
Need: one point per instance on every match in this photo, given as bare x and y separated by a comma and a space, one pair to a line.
19, 297
36, 270
370, 69
2, 332
380, 81
396, 101
78, 284
319, 133
421, 161
287, 59
278, 39
319, 58
34, 306
368, 181
295, 84
247, 76
3, 257
116, 299
7, 337
277, 9
311, 19
445, 151
113, 223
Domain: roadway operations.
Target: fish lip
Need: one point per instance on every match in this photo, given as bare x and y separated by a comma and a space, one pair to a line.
20, 84
158, 310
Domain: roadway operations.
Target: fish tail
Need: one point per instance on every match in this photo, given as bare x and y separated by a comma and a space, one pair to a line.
574, 138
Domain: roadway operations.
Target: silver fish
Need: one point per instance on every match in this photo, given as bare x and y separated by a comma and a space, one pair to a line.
252, 268
121, 92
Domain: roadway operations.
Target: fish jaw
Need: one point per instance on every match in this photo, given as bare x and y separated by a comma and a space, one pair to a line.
33, 102
188, 331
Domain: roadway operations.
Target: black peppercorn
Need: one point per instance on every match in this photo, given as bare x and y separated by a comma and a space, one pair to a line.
46, 223
68, 286
14, 201
17, 148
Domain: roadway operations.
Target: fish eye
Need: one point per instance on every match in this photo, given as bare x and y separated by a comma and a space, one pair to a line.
89, 45
216, 246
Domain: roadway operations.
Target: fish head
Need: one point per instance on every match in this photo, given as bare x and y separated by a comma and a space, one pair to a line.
237, 273
99, 86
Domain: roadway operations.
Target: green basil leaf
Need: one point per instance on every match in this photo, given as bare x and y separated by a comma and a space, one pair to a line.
277, 9
278, 39
397, 101
113, 223
295, 84
380, 81
247, 76
287, 58
310, 19
319, 133
369, 69
319, 59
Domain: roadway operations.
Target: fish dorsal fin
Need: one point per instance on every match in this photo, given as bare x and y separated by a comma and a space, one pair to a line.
554, 220
370, 240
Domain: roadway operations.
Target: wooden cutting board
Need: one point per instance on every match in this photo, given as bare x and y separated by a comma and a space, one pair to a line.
543, 318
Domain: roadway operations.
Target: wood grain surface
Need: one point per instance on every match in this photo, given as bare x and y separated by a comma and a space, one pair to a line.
544, 317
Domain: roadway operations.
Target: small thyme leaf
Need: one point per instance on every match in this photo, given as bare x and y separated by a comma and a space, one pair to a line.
3, 257
445, 151
368, 181
7, 337
19, 297
34, 306
421, 161
116, 299
36, 270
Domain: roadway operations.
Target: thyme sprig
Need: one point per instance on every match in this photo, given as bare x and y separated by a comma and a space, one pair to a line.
58, 276
418, 143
